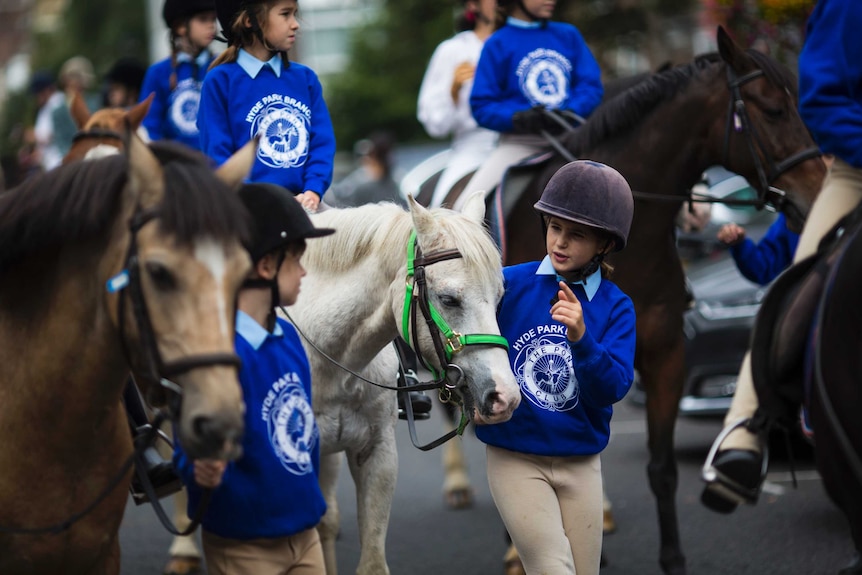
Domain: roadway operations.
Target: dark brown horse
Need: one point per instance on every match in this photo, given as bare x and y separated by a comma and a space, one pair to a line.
129, 263
805, 351
737, 109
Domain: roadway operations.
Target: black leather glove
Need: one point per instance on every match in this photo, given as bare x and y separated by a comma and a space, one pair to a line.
530, 121
536, 119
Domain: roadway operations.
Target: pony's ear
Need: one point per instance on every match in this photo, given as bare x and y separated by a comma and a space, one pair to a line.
474, 207
732, 54
145, 173
79, 111
138, 112
423, 221
238, 166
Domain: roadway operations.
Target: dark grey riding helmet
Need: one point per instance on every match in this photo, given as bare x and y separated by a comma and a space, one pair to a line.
592, 194
227, 10
175, 11
278, 219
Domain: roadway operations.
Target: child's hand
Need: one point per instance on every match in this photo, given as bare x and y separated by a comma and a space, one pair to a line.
731, 234
309, 200
208, 472
463, 72
568, 312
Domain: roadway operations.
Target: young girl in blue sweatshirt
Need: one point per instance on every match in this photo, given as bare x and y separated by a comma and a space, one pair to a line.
176, 80
262, 515
254, 90
528, 66
571, 336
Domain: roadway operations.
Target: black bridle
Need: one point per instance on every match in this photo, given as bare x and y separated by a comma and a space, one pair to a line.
155, 368
97, 134
768, 170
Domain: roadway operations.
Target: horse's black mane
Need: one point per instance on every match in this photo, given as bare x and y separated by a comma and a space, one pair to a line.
628, 108
79, 202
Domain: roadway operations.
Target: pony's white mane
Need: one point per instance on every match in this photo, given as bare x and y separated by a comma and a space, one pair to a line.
375, 228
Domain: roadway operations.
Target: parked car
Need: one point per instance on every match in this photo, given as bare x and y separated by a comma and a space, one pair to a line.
718, 326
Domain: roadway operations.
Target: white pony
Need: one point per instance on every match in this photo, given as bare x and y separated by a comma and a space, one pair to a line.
352, 305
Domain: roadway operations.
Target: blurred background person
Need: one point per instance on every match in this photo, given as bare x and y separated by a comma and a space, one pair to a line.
123, 83
372, 181
444, 97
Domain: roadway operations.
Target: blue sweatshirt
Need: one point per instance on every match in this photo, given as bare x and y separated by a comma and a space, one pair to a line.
272, 490
173, 113
525, 65
285, 106
762, 262
567, 388
830, 79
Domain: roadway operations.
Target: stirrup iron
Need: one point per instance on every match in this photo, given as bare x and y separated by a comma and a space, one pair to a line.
723, 485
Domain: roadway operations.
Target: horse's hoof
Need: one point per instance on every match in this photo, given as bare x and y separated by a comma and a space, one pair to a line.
514, 567
609, 524
603, 560
183, 566
459, 498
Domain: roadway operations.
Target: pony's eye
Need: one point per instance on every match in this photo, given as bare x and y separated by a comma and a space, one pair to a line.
161, 276
774, 113
450, 301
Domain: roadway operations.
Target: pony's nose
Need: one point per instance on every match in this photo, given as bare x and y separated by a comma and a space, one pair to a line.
217, 435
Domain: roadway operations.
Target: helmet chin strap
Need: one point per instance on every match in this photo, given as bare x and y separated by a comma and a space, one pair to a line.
588, 270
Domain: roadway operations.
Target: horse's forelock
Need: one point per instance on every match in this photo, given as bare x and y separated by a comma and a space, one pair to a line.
385, 227
776, 72
196, 202
476, 246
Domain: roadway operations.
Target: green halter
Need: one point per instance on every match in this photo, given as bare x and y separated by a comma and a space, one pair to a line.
454, 341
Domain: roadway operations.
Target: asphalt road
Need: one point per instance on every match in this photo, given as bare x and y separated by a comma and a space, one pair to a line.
791, 531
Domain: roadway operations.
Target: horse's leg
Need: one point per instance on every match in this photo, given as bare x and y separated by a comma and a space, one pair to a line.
184, 557
457, 490
375, 470
662, 372
328, 526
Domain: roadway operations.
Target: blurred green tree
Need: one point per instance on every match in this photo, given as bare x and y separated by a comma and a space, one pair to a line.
379, 86
101, 31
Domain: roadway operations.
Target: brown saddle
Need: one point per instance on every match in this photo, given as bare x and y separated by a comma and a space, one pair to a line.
785, 327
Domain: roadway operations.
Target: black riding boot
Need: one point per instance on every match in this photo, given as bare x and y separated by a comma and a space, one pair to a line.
419, 401
160, 471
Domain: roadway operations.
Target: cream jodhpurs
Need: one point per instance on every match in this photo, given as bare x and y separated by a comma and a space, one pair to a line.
552, 508
300, 554
842, 191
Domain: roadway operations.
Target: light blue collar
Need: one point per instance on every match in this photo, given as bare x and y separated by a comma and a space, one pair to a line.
253, 332
522, 23
253, 66
202, 59
591, 283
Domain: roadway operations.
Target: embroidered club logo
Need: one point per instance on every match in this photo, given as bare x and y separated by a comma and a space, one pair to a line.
544, 370
543, 76
283, 125
290, 424
184, 109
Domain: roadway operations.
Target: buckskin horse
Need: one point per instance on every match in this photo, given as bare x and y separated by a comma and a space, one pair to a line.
737, 108
125, 264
